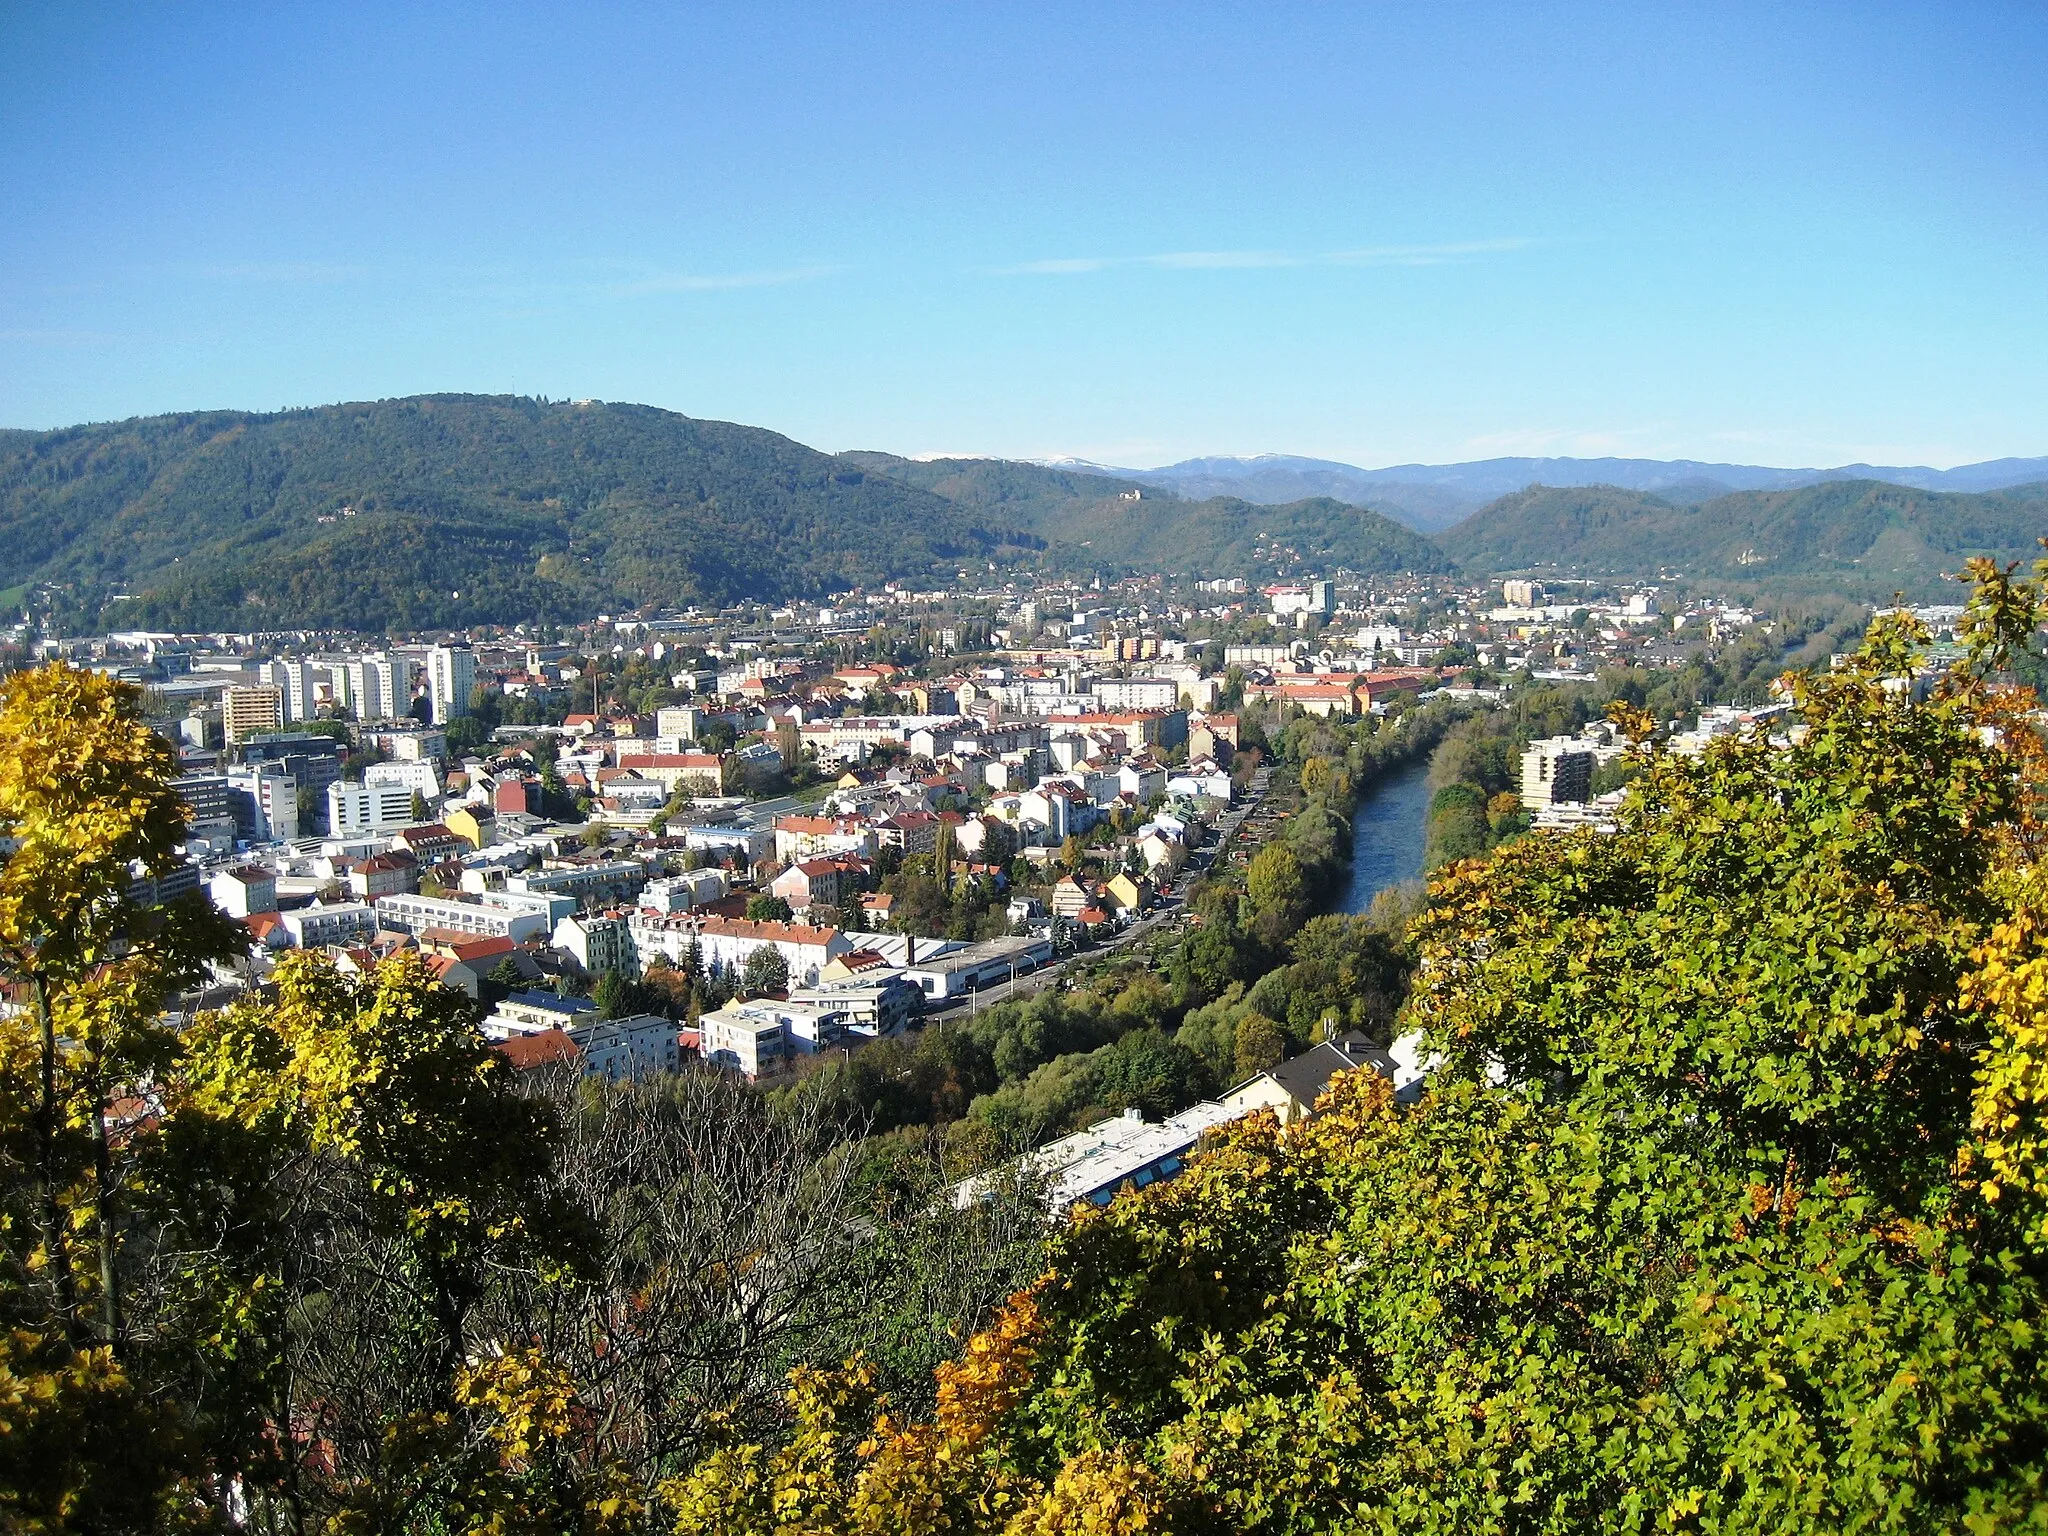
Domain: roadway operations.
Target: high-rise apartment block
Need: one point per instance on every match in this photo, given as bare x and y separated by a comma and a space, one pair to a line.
451, 672
248, 711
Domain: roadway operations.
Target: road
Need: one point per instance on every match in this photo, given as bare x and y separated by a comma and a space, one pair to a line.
1170, 909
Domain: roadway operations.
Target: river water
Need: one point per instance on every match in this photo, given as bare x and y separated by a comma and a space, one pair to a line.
1386, 835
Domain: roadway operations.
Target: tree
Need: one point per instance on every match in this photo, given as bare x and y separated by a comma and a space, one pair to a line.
419, 806
1259, 1044
765, 971
617, 996
88, 799
768, 908
1726, 1209
944, 851
1277, 889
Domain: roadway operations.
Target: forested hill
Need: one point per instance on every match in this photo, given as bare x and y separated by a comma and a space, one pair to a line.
449, 509
460, 509
1863, 538
1090, 520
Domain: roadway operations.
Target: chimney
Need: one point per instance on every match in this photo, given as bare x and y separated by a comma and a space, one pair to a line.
909, 950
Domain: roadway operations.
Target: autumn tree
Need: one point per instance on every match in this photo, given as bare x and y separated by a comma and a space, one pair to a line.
1725, 1210
88, 806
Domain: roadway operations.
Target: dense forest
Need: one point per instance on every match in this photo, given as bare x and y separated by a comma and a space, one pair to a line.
460, 509
450, 509
1090, 522
1862, 538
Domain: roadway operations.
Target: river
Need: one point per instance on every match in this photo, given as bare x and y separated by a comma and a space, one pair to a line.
1386, 835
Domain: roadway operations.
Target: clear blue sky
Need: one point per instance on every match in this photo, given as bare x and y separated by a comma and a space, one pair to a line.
1772, 234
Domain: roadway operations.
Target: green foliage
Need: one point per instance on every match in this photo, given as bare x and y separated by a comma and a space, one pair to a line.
1087, 523
768, 909
467, 509
1856, 536
765, 971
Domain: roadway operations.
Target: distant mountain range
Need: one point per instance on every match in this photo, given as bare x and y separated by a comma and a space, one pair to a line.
1089, 521
450, 510
1862, 538
1429, 497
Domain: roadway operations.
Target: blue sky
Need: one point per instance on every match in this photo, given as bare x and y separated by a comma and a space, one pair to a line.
1771, 234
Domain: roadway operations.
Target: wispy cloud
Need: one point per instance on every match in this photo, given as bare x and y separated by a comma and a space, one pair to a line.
1198, 261
712, 282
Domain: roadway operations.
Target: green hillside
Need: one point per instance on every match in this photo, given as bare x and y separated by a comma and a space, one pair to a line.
1227, 537
1090, 521
1864, 538
1015, 494
465, 509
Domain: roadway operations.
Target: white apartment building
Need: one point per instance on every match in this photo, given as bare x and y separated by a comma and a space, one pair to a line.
276, 797
451, 673
724, 943
1556, 771
423, 777
510, 915
376, 687
296, 686
612, 880
598, 944
374, 807
1137, 692
681, 721
342, 923
631, 1048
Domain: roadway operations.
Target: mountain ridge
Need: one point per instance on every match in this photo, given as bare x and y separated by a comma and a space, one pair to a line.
1863, 538
1431, 497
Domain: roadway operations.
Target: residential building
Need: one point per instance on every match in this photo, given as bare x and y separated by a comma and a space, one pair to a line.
1137, 692
529, 1013
597, 944
628, 1049
510, 915
377, 687
1291, 1089
701, 773
384, 874
476, 825
875, 1002
816, 883
244, 891
1556, 771
597, 883
369, 807
1131, 894
248, 711
451, 673
423, 778
682, 721
724, 943
743, 1039
317, 927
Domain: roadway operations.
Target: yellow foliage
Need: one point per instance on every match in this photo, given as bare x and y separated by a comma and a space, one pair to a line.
2009, 1110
